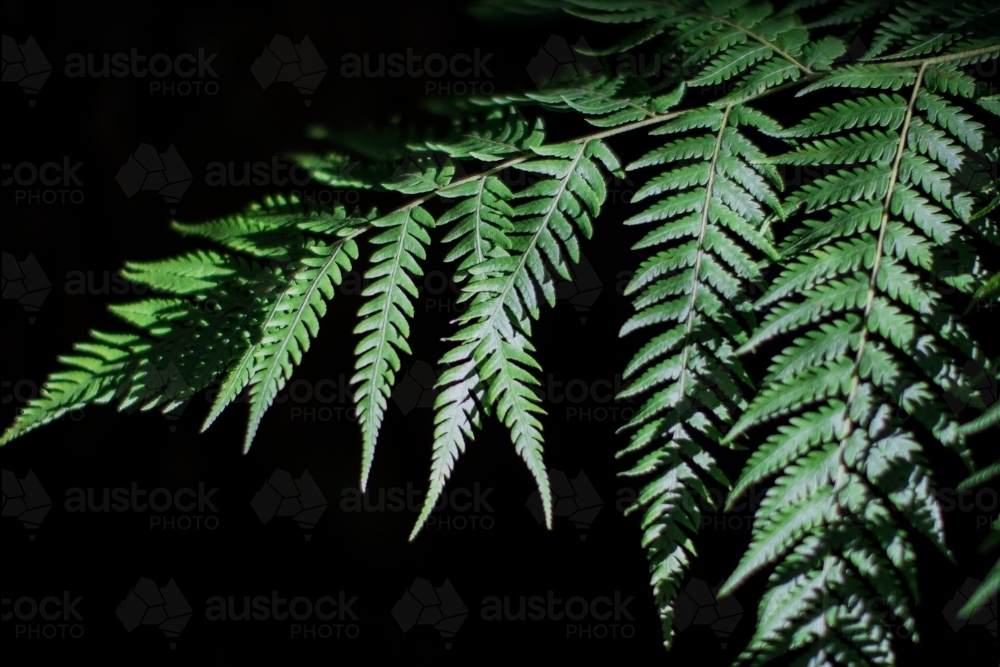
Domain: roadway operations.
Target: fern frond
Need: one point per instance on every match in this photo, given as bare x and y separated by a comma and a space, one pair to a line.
293, 322
842, 461
883, 77
928, 27
873, 357
877, 111
492, 363
228, 317
708, 213
385, 318
748, 48
95, 375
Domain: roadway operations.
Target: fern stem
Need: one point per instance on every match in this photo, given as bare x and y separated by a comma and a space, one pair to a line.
893, 178
873, 282
706, 206
842, 470
948, 57
884, 225
480, 256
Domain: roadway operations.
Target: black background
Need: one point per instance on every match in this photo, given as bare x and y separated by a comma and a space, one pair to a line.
101, 555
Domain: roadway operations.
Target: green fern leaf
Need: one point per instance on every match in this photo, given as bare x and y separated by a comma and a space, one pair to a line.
681, 369
840, 458
385, 323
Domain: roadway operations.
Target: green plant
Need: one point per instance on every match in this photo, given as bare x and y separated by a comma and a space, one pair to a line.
849, 264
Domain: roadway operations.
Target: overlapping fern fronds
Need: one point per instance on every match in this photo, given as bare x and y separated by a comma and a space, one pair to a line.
876, 347
226, 317
862, 261
742, 47
492, 363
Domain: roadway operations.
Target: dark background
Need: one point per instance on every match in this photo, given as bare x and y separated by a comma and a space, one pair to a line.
100, 122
